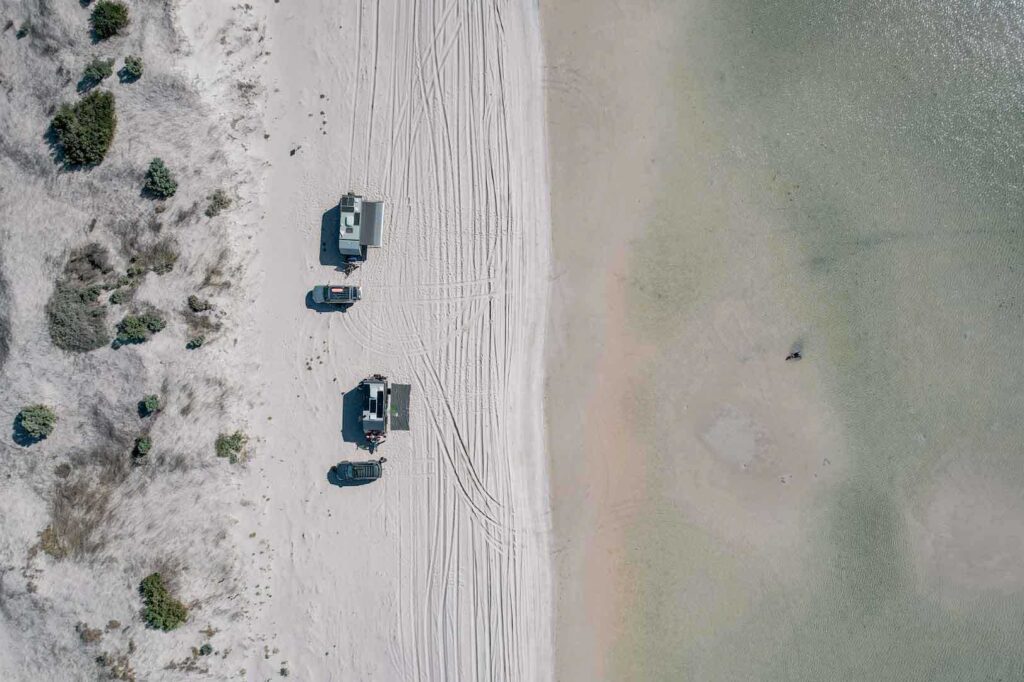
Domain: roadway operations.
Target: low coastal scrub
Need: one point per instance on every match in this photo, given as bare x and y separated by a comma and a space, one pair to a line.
231, 446
160, 181
78, 510
75, 318
162, 611
149, 405
143, 444
122, 295
139, 328
158, 258
198, 305
37, 421
195, 342
85, 129
97, 70
218, 201
87, 634
133, 68
108, 18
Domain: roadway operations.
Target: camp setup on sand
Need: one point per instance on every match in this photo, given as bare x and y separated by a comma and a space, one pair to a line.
385, 406
360, 225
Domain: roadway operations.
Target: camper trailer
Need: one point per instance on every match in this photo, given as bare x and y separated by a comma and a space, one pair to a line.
360, 225
385, 406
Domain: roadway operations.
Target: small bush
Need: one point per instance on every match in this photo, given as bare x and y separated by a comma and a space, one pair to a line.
143, 444
133, 68
122, 295
86, 129
108, 18
195, 342
162, 611
219, 201
158, 258
87, 634
206, 649
198, 305
97, 70
37, 421
24, 30
231, 445
149, 405
50, 543
87, 263
138, 328
159, 180
76, 320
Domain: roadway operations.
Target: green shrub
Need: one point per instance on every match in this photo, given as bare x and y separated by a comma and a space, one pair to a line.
143, 444
206, 649
219, 201
138, 328
97, 70
86, 129
195, 342
76, 320
231, 445
159, 180
198, 305
162, 611
122, 295
37, 421
149, 405
108, 18
133, 67
23, 30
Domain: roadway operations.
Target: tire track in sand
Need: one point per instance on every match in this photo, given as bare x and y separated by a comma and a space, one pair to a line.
464, 232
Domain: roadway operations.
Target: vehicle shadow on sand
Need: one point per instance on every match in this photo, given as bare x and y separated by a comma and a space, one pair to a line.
329, 253
351, 411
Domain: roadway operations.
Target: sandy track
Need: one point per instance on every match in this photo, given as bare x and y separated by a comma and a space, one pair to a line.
440, 570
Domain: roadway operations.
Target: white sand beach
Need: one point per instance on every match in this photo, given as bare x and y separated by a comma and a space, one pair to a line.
439, 571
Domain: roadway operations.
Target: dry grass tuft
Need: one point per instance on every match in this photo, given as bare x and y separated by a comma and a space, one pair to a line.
77, 513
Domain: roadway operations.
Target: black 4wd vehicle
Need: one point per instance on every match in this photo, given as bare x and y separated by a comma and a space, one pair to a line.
358, 472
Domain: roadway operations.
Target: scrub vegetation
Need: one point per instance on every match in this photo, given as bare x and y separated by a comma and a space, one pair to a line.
85, 129
160, 181
76, 319
133, 68
37, 421
162, 611
139, 328
231, 446
108, 18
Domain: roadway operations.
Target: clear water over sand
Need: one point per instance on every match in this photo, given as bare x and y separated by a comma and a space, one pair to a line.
845, 177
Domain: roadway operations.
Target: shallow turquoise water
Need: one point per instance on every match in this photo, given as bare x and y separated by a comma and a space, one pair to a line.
887, 141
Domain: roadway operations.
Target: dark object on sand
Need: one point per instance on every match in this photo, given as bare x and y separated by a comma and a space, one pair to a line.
358, 472
795, 355
336, 295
